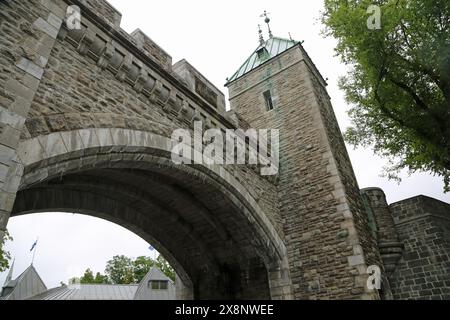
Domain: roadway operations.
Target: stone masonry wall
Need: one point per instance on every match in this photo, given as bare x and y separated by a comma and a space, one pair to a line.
29, 30
54, 80
103, 9
364, 237
328, 247
78, 93
423, 272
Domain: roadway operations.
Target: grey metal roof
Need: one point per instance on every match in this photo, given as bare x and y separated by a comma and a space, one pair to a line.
145, 291
142, 291
28, 284
274, 47
156, 274
90, 292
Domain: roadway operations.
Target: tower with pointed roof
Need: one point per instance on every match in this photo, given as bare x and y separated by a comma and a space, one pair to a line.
26, 285
329, 243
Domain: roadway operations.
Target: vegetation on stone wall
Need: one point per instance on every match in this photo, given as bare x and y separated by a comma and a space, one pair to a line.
5, 256
399, 83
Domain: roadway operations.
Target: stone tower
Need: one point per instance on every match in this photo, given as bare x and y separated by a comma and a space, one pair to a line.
328, 238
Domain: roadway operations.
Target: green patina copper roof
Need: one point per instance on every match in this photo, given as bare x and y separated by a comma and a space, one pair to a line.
271, 48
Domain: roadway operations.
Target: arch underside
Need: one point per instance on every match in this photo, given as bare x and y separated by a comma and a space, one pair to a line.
203, 228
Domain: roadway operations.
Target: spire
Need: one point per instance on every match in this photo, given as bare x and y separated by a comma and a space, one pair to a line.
10, 274
267, 21
261, 38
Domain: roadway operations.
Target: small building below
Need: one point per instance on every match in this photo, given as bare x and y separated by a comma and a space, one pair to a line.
29, 286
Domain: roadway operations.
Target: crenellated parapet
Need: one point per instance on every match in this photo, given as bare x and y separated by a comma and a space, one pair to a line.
138, 61
102, 9
198, 83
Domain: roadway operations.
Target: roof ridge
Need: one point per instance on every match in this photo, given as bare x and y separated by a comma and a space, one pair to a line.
254, 61
286, 39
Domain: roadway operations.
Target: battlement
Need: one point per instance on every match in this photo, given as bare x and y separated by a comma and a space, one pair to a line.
200, 85
137, 60
151, 49
417, 207
103, 9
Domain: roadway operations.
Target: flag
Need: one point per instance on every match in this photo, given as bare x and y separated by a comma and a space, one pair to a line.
33, 246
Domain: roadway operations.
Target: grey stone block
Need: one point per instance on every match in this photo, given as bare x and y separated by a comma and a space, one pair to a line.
355, 260
7, 154
56, 7
53, 144
20, 106
4, 169
46, 27
54, 20
10, 136
7, 201
30, 151
31, 68
18, 89
11, 119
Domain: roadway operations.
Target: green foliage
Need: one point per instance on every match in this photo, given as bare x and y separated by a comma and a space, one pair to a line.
101, 279
120, 270
399, 85
165, 267
74, 280
124, 270
88, 277
141, 266
5, 256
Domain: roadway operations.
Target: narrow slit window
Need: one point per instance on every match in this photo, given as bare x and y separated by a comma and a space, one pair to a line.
269, 100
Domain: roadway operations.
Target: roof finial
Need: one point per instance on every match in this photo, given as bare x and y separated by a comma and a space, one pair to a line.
261, 38
10, 273
267, 21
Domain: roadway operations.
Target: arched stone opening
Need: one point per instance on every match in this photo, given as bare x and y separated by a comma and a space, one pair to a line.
200, 218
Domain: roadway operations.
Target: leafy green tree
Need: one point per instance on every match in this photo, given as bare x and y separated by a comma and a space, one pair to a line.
5, 256
124, 270
141, 266
399, 83
120, 270
74, 280
88, 277
165, 267
101, 279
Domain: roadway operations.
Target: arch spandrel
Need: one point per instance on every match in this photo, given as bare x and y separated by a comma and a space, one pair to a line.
205, 206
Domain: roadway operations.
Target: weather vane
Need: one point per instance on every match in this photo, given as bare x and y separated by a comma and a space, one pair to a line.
267, 21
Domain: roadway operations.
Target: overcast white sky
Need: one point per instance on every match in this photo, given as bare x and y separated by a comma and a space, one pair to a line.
216, 37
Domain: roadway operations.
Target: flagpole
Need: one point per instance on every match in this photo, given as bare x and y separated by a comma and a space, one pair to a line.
35, 249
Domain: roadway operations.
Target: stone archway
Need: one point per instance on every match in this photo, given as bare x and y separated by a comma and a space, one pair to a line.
201, 218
